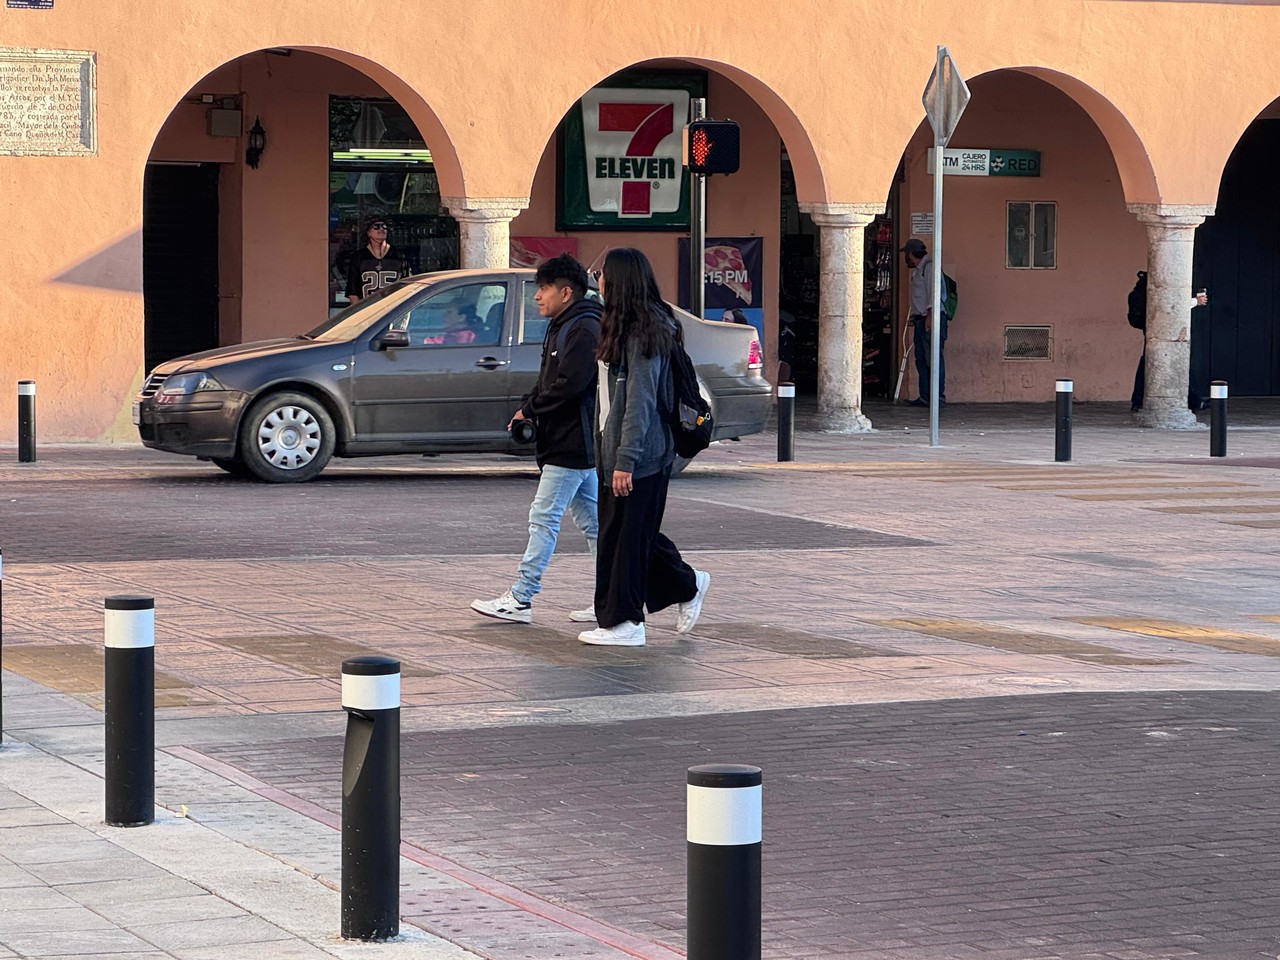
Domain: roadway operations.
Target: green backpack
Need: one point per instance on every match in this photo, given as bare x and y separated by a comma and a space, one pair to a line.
949, 297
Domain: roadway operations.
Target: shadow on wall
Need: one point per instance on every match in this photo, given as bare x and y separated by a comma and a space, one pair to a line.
117, 266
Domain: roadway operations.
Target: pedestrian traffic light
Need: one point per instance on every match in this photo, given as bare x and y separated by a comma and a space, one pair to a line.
711, 146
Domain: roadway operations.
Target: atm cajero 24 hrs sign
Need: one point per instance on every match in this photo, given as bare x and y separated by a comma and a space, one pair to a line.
621, 163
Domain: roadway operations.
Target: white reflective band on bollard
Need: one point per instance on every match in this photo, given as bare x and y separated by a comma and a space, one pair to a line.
1217, 392
725, 816
787, 391
26, 388
1066, 386
371, 693
130, 628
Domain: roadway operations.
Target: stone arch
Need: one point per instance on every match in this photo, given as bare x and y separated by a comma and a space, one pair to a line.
1133, 161
443, 149
811, 183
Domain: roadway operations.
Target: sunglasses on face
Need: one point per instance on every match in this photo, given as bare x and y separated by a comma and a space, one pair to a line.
377, 226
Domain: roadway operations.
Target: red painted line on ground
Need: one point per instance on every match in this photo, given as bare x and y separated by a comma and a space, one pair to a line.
610, 936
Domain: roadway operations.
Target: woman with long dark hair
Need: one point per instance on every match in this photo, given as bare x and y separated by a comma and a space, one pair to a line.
636, 566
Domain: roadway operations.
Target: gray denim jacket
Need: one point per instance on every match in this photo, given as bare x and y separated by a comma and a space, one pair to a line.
635, 437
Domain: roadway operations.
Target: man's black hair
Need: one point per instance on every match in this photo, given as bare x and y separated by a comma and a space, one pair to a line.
563, 271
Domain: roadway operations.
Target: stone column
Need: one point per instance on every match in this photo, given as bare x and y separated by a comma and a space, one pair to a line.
1171, 233
840, 296
484, 227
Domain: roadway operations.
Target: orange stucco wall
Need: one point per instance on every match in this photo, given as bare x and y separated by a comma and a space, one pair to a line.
1171, 86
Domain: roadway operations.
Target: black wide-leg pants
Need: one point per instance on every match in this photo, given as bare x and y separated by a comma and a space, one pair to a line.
636, 565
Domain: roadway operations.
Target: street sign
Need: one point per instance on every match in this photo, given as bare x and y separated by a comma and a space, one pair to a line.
971, 162
945, 99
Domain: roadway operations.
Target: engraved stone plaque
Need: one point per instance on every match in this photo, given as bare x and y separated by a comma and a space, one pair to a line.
48, 103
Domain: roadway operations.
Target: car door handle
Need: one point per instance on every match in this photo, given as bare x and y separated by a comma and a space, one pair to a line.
491, 363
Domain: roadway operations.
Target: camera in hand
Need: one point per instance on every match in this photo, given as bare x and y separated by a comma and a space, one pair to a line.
523, 431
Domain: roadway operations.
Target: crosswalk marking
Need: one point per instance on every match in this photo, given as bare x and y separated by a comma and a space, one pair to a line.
1234, 640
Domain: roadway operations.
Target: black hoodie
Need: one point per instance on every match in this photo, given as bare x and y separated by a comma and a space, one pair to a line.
562, 403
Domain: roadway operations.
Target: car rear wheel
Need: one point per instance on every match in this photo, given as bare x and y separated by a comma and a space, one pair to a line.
287, 438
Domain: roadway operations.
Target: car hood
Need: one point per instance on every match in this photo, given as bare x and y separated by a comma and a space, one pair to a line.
211, 359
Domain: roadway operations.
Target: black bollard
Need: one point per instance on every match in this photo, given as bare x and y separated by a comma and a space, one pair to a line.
1218, 418
130, 686
724, 831
786, 422
371, 799
26, 421
1062, 431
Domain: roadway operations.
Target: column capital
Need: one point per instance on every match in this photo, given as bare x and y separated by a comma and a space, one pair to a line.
848, 215
484, 209
1172, 214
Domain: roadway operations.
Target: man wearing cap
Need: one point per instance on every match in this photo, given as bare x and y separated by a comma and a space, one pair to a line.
375, 265
920, 314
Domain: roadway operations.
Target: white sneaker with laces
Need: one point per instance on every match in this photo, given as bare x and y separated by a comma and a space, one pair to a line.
687, 613
626, 634
585, 615
506, 607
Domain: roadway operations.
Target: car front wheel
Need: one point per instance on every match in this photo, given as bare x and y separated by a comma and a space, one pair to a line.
287, 438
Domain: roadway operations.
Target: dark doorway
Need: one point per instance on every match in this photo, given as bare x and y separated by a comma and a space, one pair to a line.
179, 259
1237, 258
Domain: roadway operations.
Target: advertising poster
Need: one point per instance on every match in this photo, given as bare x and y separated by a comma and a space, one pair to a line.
621, 154
734, 278
531, 251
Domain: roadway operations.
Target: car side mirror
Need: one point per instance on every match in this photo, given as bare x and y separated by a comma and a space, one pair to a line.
393, 338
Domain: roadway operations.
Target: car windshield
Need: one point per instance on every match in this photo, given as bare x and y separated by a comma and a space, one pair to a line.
354, 319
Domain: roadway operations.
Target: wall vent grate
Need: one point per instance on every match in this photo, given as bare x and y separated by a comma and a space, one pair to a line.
1028, 343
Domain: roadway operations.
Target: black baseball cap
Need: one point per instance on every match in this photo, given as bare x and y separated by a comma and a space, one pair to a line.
373, 220
915, 247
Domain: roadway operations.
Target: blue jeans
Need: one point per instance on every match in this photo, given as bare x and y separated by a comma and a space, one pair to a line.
923, 347
560, 488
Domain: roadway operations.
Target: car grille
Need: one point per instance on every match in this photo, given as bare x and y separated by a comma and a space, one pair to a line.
153, 384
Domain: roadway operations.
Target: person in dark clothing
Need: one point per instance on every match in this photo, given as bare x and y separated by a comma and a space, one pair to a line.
375, 265
1138, 320
561, 407
637, 567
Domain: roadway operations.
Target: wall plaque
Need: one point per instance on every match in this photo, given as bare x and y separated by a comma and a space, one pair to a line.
48, 103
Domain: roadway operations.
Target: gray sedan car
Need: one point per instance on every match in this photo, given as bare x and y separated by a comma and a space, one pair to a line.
434, 364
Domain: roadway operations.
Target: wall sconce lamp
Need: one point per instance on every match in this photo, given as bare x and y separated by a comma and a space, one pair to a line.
257, 143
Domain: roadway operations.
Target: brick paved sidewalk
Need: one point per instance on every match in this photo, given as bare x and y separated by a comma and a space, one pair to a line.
863, 598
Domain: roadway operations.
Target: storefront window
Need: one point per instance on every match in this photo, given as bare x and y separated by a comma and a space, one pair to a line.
1032, 236
379, 166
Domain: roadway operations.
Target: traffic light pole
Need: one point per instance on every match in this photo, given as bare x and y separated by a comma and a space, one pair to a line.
697, 225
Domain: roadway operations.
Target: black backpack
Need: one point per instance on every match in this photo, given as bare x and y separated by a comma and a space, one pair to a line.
690, 420
1138, 302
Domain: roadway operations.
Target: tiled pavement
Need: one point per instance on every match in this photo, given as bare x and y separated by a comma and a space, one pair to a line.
880, 614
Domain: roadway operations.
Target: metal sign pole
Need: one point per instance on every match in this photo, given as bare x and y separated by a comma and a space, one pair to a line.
697, 225
945, 97
935, 295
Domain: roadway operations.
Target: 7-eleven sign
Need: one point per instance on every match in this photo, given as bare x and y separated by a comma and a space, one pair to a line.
634, 155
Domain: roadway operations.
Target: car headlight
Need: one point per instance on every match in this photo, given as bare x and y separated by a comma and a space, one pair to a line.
184, 384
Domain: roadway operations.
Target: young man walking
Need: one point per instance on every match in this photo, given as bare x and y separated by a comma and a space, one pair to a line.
562, 408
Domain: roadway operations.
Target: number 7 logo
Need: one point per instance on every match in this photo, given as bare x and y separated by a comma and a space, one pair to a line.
651, 123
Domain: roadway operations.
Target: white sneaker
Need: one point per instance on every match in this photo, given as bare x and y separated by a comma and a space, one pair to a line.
506, 607
626, 634
687, 613
585, 615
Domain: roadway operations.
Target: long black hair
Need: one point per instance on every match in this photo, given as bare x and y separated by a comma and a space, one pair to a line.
633, 307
